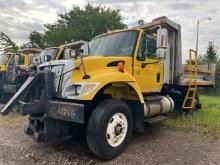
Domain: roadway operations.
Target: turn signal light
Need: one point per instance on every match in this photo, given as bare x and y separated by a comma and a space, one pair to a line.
121, 66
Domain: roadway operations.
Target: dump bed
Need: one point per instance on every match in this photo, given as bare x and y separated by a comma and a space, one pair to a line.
205, 74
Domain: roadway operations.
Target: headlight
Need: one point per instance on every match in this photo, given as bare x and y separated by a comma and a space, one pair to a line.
78, 90
72, 90
88, 88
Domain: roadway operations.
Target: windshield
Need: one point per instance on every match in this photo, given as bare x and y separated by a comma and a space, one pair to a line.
4, 59
49, 52
116, 44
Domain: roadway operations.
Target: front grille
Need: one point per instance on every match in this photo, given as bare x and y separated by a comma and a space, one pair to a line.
59, 67
57, 70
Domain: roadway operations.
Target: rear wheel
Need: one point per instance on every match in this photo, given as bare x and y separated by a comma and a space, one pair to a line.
109, 128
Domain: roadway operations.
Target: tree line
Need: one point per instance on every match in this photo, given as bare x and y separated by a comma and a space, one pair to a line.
84, 24
75, 24
211, 57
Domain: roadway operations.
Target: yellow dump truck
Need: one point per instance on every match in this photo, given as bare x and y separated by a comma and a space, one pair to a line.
14, 68
128, 78
62, 52
10, 67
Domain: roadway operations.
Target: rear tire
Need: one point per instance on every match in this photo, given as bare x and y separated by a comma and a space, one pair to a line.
109, 128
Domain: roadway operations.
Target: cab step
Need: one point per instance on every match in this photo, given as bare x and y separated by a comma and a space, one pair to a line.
156, 119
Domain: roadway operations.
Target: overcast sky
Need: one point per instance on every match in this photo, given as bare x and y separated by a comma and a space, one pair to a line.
19, 17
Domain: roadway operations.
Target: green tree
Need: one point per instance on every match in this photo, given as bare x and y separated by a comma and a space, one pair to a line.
36, 40
212, 57
211, 53
82, 24
6, 44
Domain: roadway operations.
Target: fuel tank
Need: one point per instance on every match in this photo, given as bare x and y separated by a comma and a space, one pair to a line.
157, 105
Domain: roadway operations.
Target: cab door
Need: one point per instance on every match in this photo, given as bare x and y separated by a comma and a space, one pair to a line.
13, 67
10, 76
148, 70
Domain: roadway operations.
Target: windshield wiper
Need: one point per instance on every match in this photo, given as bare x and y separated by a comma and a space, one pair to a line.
88, 50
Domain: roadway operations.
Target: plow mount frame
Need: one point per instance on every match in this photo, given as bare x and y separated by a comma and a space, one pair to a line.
49, 120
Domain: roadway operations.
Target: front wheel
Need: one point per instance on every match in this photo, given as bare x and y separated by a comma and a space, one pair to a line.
109, 128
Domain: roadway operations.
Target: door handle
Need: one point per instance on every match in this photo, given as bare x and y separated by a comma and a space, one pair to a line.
143, 65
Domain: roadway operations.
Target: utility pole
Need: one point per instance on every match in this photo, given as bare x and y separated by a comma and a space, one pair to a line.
197, 34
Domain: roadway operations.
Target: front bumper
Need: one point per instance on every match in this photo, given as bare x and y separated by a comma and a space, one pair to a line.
54, 122
49, 120
9, 88
65, 111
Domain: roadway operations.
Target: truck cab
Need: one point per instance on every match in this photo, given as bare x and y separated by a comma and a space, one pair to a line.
10, 66
33, 54
60, 53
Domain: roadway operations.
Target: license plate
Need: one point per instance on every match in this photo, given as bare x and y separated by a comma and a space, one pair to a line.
65, 111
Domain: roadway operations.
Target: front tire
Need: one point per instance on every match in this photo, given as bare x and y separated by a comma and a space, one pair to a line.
109, 128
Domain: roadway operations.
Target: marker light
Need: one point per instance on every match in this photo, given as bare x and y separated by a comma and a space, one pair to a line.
121, 66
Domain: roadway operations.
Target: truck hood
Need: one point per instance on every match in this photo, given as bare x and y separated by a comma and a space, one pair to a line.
65, 72
98, 65
102, 61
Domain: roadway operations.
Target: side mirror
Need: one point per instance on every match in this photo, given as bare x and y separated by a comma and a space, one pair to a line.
69, 53
162, 38
85, 49
162, 43
161, 53
47, 58
81, 51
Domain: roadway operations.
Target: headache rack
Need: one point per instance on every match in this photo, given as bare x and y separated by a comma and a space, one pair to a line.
195, 76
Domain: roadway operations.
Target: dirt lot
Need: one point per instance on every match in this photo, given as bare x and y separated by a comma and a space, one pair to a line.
160, 146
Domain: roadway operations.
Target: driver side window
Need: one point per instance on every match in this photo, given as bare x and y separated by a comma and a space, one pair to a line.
143, 48
148, 46
62, 56
151, 45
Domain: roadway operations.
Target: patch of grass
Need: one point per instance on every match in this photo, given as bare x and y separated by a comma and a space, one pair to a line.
206, 120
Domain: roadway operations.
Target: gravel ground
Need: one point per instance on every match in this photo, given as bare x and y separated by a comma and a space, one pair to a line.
167, 147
